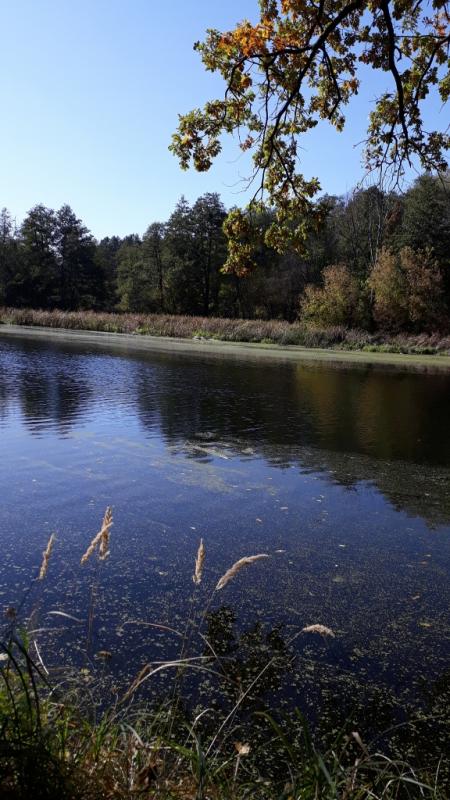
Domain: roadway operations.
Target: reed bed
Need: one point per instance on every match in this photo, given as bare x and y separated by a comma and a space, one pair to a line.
260, 331
58, 743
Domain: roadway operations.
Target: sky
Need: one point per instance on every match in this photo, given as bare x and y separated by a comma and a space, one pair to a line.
90, 93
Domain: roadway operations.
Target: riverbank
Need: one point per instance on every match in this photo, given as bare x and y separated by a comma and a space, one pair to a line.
55, 748
212, 347
242, 331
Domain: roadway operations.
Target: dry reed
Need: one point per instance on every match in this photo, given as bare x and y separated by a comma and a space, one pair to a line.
237, 566
199, 561
318, 628
138, 679
46, 557
104, 539
101, 539
233, 330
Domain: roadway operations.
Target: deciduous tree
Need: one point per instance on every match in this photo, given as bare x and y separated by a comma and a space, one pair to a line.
390, 292
340, 301
301, 64
426, 306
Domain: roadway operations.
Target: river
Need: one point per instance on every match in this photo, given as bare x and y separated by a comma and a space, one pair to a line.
339, 474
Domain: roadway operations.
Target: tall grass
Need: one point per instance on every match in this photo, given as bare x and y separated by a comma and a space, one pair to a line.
229, 330
58, 743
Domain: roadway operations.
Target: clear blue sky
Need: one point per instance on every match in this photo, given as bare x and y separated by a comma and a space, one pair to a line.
90, 91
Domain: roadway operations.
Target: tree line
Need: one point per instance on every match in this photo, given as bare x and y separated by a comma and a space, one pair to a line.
380, 260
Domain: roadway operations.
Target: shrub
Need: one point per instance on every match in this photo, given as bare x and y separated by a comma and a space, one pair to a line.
426, 310
390, 292
408, 291
339, 301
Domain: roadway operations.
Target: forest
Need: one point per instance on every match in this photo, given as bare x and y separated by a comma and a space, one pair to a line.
379, 261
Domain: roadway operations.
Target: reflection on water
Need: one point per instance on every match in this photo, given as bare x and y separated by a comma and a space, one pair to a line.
352, 424
341, 475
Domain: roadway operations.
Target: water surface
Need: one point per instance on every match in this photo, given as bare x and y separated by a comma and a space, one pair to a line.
340, 474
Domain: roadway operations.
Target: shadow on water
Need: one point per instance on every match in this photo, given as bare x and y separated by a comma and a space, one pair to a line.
333, 698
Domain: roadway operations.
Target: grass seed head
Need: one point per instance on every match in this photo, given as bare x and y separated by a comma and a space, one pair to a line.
318, 628
105, 530
237, 566
101, 539
201, 553
46, 557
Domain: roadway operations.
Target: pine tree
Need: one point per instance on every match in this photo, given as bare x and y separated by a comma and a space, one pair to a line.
80, 283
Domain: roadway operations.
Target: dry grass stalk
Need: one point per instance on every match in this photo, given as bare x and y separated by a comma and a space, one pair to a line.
138, 679
101, 538
46, 557
91, 548
243, 562
356, 736
104, 538
201, 553
235, 330
318, 628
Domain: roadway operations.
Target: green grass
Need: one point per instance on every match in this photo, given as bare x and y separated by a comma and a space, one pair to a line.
55, 746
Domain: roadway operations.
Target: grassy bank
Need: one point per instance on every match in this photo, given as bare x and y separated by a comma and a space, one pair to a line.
56, 745
72, 732
231, 330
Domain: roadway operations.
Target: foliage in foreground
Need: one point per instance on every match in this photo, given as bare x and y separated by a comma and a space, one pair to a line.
303, 63
67, 740
53, 746
230, 330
